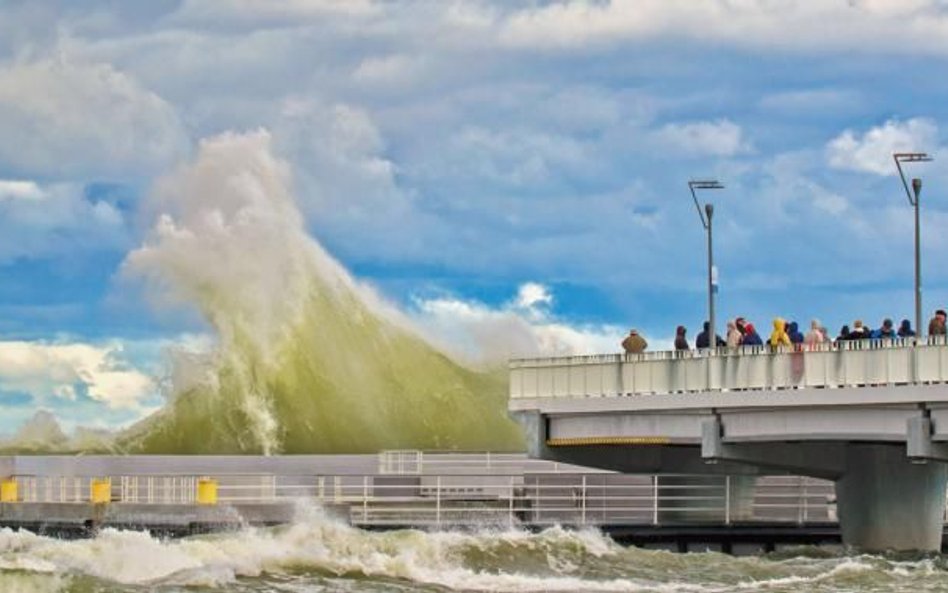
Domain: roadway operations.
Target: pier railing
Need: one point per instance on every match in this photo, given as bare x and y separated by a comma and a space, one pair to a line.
440, 500
831, 365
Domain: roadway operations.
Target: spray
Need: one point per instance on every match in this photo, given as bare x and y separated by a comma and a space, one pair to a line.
307, 360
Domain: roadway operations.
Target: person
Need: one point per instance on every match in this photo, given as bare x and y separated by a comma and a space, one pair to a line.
741, 325
779, 336
793, 332
703, 340
634, 343
886, 332
843, 334
936, 327
734, 335
859, 331
681, 342
751, 337
905, 329
816, 335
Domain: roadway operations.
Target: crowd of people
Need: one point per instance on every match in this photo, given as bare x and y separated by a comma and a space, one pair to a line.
741, 332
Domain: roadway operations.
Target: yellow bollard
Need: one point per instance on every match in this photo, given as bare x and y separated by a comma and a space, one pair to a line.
207, 491
8, 490
100, 491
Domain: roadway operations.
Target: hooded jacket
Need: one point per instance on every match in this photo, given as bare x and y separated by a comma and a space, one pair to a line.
751, 337
793, 332
815, 336
681, 342
779, 336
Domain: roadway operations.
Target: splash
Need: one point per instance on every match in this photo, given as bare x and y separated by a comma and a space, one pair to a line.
317, 552
307, 360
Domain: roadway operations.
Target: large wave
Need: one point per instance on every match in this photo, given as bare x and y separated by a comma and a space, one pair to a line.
318, 550
307, 359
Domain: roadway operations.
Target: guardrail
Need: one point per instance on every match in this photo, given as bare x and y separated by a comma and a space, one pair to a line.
832, 365
413, 461
529, 499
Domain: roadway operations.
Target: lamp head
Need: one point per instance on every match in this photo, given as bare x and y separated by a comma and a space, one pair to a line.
917, 186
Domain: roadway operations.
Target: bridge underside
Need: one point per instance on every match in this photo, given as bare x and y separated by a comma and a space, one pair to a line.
882, 447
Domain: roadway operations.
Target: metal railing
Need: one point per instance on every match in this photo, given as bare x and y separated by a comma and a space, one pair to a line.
831, 365
413, 461
527, 499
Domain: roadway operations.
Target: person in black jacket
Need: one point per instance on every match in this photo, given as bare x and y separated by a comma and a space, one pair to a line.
703, 340
905, 329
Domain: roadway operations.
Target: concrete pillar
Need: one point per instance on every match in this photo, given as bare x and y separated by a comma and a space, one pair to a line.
886, 502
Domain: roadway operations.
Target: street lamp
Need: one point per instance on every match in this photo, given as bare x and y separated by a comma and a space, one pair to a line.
914, 157
706, 216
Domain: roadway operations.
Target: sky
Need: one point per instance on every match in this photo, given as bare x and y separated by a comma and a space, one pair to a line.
512, 175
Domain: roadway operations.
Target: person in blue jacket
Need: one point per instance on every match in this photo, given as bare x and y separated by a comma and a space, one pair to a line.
751, 337
886, 332
793, 330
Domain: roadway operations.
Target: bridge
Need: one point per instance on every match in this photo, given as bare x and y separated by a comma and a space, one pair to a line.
872, 416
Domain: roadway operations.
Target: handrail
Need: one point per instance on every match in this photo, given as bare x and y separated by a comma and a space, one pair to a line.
582, 498
831, 365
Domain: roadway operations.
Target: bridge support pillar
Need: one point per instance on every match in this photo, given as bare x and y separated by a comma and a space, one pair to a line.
887, 502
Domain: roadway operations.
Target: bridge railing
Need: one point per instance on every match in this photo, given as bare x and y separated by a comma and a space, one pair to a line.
436, 500
830, 365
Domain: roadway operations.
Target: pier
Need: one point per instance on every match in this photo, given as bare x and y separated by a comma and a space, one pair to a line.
871, 417
413, 489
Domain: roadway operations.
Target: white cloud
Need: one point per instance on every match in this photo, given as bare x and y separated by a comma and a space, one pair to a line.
64, 119
481, 334
872, 26
532, 295
271, 12
41, 220
722, 138
398, 70
817, 102
872, 151
50, 371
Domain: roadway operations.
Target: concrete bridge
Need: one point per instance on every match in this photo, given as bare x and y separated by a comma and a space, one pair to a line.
871, 415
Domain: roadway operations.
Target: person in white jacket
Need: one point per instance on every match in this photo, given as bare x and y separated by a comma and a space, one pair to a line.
816, 335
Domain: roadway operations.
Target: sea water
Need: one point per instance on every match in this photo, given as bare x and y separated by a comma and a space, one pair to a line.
318, 553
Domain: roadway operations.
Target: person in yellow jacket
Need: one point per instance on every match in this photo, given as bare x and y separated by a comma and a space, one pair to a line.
779, 337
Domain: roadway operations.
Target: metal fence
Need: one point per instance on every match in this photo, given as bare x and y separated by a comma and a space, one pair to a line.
831, 365
438, 500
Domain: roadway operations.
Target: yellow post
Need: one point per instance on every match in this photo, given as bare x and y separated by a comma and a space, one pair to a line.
207, 491
8, 490
100, 490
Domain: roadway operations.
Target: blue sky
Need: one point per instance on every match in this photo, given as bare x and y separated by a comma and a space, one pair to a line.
450, 153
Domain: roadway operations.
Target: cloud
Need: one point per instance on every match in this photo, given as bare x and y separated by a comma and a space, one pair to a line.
60, 119
273, 12
872, 26
70, 371
720, 138
532, 295
524, 327
872, 151
43, 220
817, 102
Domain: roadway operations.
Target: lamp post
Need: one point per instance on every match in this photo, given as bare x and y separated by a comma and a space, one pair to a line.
706, 215
913, 194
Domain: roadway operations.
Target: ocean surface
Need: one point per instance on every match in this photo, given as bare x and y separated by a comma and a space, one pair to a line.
318, 553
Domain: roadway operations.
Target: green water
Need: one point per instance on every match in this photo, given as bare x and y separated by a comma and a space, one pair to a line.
341, 380
318, 554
